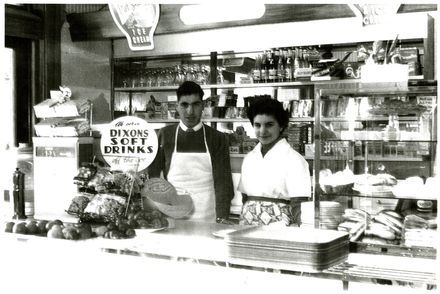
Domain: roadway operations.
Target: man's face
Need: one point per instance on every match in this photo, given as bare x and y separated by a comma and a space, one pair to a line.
190, 109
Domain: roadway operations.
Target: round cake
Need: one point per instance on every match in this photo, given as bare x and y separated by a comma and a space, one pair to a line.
162, 195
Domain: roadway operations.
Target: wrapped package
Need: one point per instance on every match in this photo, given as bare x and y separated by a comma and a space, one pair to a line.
104, 208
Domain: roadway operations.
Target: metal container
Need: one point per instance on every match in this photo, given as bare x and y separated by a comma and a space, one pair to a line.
18, 194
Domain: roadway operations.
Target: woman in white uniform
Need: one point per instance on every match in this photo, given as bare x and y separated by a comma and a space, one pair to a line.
273, 174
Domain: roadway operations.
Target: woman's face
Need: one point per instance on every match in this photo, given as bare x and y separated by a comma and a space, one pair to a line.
267, 128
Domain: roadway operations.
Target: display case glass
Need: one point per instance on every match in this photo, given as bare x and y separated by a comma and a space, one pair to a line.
376, 157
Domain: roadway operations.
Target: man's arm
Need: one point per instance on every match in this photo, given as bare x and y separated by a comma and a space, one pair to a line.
224, 187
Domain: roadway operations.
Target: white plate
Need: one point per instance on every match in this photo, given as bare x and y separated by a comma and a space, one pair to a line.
145, 232
222, 233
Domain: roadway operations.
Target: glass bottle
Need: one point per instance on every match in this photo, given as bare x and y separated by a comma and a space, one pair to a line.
264, 68
296, 63
272, 67
256, 72
288, 69
280, 67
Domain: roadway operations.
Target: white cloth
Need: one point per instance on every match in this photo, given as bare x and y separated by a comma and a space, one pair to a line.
195, 128
281, 173
192, 172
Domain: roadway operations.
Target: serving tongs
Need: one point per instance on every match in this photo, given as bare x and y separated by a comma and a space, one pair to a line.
336, 69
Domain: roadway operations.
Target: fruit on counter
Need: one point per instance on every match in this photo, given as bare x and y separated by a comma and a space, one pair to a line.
165, 222
19, 228
130, 233
111, 226
84, 230
52, 223
156, 223
100, 230
32, 228
70, 233
56, 231
132, 223
41, 224
9, 226
123, 227
143, 224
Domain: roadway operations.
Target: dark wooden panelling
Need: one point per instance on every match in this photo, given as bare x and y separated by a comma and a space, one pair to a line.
49, 49
429, 51
275, 13
404, 8
22, 24
99, 25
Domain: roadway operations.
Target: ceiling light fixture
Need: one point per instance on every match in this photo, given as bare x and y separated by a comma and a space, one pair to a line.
212, 13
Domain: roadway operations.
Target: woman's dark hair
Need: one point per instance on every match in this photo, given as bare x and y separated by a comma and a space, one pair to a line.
270, 107
189, 88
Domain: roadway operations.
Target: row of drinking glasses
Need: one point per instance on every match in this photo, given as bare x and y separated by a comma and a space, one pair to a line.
170, 76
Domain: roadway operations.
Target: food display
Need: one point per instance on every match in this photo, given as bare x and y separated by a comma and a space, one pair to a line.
338, 182
420, 231
395, 106
386, 227
415, 188
104, 194
374, 185
111, 201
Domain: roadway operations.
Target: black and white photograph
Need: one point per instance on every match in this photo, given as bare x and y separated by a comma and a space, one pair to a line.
219, 147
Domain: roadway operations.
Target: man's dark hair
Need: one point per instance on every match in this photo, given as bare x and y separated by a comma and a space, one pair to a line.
270, 107
189, 88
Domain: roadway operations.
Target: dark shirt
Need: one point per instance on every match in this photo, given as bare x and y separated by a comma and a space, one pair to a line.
190, 141
218, 146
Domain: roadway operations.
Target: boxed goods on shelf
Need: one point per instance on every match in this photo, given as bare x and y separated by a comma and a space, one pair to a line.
62, 127
72, 108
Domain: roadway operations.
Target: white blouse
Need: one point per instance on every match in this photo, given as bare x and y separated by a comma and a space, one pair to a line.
281, 173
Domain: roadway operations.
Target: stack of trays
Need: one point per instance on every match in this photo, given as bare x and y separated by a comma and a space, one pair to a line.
330, 214
289, 248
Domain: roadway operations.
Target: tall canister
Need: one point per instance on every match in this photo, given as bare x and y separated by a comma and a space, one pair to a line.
25, 162
21, 158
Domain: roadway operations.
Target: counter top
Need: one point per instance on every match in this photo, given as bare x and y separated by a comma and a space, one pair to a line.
196, 242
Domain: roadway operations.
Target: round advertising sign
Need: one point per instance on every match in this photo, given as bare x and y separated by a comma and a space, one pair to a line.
129, 143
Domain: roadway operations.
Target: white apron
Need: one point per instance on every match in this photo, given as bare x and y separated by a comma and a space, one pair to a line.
192, 172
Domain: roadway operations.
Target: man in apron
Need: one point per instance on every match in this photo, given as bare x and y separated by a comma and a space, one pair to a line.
194, 158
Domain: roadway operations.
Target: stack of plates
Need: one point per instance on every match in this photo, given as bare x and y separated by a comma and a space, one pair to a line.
288, 248
330, 214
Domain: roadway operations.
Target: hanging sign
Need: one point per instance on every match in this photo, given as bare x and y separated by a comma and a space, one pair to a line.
376, 13
138, 23
129, 143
